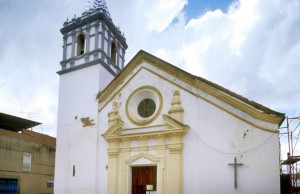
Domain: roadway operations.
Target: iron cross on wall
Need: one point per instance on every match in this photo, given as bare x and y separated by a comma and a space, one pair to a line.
235, 165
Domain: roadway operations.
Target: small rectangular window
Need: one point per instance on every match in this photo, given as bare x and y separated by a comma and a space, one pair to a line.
27, 162
50, 184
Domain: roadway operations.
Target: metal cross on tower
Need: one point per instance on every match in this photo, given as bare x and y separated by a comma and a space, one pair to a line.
235, 165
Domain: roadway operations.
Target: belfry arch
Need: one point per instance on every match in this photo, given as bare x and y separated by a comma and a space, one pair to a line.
80, 44
113, 52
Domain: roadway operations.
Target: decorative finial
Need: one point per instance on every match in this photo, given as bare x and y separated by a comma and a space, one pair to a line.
113, 115
176, 110
66, 22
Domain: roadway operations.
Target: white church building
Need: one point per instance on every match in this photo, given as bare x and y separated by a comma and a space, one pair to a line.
150, 127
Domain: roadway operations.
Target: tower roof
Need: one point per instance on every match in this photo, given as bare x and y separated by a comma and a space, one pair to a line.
97, 4
95, 10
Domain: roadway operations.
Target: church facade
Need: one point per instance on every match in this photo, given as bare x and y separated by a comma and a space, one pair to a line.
151, 127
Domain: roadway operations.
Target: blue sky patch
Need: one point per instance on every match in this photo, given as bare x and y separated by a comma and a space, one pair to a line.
195, 8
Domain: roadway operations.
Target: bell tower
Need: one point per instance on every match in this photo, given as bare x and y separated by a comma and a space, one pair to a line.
92, 39
93, 54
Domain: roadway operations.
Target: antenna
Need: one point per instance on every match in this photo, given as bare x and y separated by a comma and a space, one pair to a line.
29, 114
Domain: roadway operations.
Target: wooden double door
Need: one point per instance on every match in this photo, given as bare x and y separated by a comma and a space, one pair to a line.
143, 179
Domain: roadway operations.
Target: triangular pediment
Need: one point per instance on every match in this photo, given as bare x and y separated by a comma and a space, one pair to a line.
145, 62
144, 156
174, 125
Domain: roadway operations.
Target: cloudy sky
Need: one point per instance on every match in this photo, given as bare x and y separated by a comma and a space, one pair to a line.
251, 47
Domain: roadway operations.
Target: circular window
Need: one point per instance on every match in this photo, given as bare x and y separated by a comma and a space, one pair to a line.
146, 108
143, 105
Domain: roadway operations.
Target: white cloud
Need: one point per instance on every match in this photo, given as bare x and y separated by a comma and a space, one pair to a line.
253, 49
162, 13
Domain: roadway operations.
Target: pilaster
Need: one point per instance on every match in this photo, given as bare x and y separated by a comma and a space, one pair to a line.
65, 47
73, 44
96, 36
87, 48
113, 167
174, 183
102, 39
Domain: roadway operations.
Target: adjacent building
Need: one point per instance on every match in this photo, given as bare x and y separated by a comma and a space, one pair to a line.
27, 158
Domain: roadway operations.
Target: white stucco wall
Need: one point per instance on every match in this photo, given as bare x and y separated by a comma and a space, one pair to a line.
76, 145
215, 137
